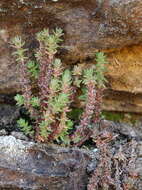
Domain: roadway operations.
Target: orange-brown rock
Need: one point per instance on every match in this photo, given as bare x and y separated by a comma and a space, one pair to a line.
89, 26
125, 69
124, 73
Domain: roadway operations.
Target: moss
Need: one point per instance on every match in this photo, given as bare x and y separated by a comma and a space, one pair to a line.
113, 116
130, 118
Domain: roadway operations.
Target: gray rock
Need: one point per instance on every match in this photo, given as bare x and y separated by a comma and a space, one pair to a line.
8, 116
3, 132
19, 135
30, 166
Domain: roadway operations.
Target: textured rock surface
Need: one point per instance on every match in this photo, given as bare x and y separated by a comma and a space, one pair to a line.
125, 69
8, 117
129, 140
89, 26
122, 101
29, 166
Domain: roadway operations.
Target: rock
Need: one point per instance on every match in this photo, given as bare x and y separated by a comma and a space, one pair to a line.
89, 26
124, 71
19, 135
8, 117
32, 166
3, 132
7, 99
140, 150
122, 101
26, 165
126, 149
129, 131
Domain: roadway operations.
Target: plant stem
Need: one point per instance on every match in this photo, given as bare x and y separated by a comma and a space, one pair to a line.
84, 131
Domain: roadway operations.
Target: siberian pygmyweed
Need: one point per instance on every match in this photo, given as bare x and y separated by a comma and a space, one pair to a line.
50, 104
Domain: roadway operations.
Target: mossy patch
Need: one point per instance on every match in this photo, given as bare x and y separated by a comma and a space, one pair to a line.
130, 118
113, 116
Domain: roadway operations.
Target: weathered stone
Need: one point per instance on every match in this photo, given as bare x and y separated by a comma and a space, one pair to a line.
140, 150
19, 135
89, 26
122, 101
30, 166
128, 141
125, 69
8, 116
3, 132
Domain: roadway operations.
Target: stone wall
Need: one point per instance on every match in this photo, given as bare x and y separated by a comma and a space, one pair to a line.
89, 26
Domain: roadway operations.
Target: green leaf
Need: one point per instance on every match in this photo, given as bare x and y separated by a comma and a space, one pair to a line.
100, 69
20, 51
33, 68
101, 58
55, 85
66, 77
17, 42
64, 135
89, 75
45, 130
59, 102
65, 139
58, 69
25, 127
69, 124
50, 41
35, 102
41, 36
20, 99
58, 32
57, 63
